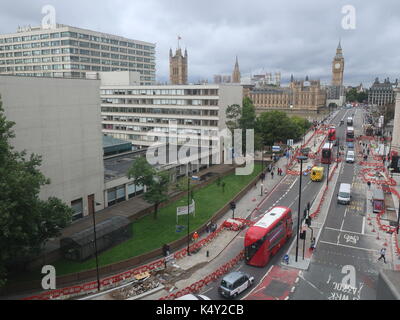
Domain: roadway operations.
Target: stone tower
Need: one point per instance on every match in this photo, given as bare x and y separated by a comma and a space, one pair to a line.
338, 67
236, 73
178, 67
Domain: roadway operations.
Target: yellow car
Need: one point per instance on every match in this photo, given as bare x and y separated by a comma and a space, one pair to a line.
317, 173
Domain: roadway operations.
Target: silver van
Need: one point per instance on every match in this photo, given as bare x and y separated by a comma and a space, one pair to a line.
350, 156
234, 283
344, 195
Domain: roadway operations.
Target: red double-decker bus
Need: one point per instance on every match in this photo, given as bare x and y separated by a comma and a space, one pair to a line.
267, 236
350, 134
327, 153
332, 134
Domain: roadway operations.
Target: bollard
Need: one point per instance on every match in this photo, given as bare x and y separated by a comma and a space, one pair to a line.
207, 254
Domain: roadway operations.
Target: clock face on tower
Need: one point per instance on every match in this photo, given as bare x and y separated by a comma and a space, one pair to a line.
337, 66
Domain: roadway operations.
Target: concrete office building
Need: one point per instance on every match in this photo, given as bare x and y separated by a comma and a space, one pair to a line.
141, 114
72, 52
59, 119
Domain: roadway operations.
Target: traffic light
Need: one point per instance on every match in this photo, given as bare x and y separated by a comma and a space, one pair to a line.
303, 235
233, 205
308, 221
304, 214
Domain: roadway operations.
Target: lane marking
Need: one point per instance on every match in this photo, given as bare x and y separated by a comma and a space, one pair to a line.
367, 235
312, 285
343, 245
363, 226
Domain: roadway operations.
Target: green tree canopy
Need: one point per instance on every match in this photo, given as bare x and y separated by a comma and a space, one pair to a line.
26, 221
157, 183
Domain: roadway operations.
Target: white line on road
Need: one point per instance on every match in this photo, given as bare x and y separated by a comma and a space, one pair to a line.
363, 226
311, 284
349, 231
343, 245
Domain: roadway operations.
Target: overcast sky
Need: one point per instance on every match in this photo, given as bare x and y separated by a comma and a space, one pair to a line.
290, 36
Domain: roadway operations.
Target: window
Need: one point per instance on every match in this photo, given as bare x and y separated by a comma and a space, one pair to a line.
77, 207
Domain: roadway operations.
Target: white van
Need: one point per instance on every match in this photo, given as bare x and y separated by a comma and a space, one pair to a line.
350, 156
344, 195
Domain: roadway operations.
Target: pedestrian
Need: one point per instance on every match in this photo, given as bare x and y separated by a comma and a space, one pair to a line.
195, 236
286, 258
272, 174
312, 246
369, 184
383, 252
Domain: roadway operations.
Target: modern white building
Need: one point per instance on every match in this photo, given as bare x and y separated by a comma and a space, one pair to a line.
70, 52
142, 114
60, 120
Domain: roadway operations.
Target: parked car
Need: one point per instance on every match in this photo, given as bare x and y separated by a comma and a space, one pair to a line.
235, 283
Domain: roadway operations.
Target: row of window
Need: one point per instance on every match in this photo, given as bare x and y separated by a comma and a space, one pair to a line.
71, 67
75, 35
187, 122
180, 102
119, 194
172, 111
205, 123
157, 92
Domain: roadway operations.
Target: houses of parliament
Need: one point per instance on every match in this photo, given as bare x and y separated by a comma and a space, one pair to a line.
300, 95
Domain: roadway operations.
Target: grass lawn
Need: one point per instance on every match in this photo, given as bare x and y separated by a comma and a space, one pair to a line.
150, 234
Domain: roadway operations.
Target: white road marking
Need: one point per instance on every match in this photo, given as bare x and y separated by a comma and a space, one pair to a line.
363, 226
343, 245
349, 231
311, 284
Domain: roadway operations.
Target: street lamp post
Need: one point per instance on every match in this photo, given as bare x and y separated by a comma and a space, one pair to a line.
338, 146
327, 177
188, 207
301, 158
398, 218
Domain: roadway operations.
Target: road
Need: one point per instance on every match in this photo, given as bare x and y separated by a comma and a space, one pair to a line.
347, 251
286, 194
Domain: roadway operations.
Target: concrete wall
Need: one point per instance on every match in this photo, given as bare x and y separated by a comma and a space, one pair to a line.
60, 120
120, 78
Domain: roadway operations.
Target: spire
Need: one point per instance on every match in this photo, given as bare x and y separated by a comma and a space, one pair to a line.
170, 52
185, 53
236, 72
339, 46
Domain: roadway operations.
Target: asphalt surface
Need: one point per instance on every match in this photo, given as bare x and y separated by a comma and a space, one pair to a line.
347, 252
286, 194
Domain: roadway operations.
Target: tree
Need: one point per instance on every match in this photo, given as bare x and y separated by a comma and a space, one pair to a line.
157, 183
247, 121
26, 221
141, 171
233, 114
275, 126
157, 190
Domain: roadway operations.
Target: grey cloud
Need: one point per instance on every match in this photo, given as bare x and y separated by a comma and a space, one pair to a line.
290, 36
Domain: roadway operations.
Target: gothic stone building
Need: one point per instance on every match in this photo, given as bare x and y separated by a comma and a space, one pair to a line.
301, 95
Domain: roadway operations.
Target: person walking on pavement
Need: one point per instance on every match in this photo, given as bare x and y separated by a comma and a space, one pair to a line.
195, 236
382, 252
312, 245
272, 174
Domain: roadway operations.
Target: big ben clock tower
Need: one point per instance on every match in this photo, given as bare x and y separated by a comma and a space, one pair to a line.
338, 67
